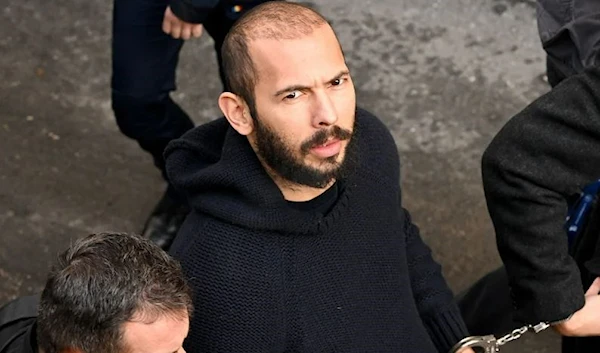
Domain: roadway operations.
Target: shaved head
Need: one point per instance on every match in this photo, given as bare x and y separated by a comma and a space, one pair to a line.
276, 20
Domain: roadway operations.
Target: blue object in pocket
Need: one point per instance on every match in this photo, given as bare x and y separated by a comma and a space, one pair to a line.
578, 213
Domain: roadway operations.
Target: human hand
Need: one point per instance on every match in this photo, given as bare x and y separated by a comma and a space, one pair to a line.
177, 28
586, 321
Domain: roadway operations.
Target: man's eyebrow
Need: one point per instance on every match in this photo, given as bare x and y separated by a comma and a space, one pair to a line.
340, 74
291, 88
301, 88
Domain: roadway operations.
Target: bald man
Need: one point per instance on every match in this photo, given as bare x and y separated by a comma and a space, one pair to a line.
298, 241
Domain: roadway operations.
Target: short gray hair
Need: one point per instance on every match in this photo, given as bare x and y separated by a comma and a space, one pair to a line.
103, 281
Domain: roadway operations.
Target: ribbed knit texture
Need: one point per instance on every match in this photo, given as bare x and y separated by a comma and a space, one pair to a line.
270, 278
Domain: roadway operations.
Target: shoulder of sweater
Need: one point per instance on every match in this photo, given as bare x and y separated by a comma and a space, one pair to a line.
214, 127
377, 146
374, 129
210, 134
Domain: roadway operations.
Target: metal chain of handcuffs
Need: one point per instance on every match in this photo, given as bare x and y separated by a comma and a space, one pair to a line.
575, 220
491, 344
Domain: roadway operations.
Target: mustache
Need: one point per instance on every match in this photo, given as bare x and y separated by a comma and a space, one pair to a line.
321, 136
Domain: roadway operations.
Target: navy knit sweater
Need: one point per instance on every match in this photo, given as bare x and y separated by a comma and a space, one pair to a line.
268, 277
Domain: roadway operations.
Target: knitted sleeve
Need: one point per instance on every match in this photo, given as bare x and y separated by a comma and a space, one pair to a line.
434, 299
544, 154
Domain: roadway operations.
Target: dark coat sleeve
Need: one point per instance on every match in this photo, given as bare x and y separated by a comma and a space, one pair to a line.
541, 157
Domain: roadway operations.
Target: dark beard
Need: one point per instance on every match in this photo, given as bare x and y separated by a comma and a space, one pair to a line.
273, 150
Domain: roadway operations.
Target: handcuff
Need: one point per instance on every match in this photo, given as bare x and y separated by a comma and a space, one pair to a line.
491, 344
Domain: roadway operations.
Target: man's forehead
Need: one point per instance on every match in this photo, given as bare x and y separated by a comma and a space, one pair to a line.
296, 57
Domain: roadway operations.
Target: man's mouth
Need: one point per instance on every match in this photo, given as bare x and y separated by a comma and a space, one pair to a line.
327, 143
329, 149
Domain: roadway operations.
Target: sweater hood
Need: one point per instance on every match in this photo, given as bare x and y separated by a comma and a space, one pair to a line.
218, 172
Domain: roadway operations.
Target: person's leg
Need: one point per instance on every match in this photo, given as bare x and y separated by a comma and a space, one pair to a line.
144, 60
486, 306
220, 22
218, 25
144, 64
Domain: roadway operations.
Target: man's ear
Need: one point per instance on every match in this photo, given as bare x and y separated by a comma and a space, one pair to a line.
237, 113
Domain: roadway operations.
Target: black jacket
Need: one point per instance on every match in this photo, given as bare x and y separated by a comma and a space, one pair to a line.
17, 325
270, 278
197, 11
540, 158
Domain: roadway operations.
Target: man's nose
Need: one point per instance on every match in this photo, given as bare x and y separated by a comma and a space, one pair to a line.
324, 113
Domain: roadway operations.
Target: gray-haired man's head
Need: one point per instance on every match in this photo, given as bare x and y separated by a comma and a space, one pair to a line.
114, 293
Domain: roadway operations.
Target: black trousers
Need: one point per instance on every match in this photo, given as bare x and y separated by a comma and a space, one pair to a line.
144, 61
